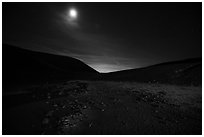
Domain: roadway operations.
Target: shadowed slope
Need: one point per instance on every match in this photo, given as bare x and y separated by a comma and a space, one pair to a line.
24, 66
185, 72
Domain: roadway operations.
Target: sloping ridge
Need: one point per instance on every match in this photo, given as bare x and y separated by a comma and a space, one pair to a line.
21, 65
184, 72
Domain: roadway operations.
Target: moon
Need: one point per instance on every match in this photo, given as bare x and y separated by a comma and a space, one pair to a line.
73, 13
71, 17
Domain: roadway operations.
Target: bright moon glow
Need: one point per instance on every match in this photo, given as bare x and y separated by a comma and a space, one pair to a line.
73, 13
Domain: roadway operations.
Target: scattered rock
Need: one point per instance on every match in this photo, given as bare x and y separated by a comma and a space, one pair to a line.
50, 113
45, 121
90, 125
61, 93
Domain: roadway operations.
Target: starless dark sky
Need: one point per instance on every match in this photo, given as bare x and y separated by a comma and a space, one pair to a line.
107, 36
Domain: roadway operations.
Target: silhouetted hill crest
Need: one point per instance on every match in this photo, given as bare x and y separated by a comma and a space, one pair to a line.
22, 65
184, 72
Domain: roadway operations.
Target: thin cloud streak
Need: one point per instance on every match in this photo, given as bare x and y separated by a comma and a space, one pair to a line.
101, 54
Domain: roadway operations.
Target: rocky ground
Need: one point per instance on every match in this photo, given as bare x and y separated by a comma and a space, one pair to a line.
103, 108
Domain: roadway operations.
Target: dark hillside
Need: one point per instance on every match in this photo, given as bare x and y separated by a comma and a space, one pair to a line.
185, 72
21, 66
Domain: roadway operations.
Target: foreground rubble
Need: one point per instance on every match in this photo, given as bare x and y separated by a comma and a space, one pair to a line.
85, 107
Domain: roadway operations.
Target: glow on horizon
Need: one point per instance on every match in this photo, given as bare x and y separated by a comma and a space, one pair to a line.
106, 68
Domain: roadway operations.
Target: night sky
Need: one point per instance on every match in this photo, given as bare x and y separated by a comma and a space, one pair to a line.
107, 36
